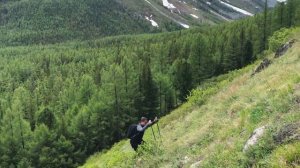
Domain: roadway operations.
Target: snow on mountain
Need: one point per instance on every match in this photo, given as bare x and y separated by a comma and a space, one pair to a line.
153, 23
237, 9
168, 5
195, 16
185, 25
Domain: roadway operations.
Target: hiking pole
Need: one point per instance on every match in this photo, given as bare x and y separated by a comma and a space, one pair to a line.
153, 133
158, 129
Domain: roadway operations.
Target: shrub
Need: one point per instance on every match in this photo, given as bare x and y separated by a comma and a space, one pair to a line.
279, 37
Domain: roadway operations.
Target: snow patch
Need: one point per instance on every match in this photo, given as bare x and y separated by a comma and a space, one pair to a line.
182, 2
185, 25
195, 16
208, 3
281, 1
257, 133
154, 24
237, 9
148, 2
195, 9
168, 5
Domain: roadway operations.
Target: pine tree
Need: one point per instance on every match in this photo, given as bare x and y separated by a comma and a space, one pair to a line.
87, 89
182, 78
149, 92
231, 57
46, 117
199, 59
248, 52
265, 24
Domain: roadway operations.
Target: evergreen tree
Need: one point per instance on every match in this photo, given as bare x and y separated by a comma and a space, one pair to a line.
231, 57
149, 91
182, 78
248, 52
199, 59
46, 117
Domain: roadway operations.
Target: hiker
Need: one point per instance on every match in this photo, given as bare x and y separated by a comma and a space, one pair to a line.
136, 132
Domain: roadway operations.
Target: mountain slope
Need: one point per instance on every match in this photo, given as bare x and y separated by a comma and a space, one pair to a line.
44, 21
212, 128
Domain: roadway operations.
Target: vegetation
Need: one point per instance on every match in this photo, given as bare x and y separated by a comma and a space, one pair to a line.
213, 132
40, 21
62, 102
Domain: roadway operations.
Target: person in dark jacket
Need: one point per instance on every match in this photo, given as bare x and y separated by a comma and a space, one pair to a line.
137, 138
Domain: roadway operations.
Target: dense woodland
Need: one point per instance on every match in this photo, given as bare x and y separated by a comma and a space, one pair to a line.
50, 21
62, 102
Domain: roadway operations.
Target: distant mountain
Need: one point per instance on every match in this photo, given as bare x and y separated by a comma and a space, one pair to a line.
49, 21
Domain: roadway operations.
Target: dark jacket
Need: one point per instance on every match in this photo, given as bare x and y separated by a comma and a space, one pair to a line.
137, 139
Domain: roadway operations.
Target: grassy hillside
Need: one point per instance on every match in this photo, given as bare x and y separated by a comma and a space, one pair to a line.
210, 130
60, 103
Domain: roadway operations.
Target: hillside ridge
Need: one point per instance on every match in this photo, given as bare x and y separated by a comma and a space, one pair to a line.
43, 22
219, 118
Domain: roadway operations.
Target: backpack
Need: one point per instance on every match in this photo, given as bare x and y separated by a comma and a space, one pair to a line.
132, 131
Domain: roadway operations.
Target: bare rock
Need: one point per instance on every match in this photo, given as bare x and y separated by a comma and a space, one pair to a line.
263, 65
290, 132
256, 135
284, 48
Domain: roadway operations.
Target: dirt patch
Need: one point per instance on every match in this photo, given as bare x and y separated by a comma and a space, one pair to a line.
288, 133
284, 48
265, 64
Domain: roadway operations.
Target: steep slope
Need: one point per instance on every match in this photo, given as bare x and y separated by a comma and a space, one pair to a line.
213, 127
188, 13
43, 21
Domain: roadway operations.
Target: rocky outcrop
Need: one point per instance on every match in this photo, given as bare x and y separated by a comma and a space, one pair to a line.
284, 48
280, 52
256, 135
288, 133
265, 63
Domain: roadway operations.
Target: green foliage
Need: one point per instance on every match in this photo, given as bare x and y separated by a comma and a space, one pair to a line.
61, 103
34, 22
260, 151
257, 113
211, 129
211, 86
46, 116
285, 156
279, 38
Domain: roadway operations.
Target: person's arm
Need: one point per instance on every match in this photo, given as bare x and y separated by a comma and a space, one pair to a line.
141, 129
149, 124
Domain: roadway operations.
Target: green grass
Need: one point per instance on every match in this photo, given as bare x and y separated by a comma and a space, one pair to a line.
213, 126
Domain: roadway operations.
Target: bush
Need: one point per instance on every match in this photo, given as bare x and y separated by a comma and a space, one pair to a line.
279, 37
